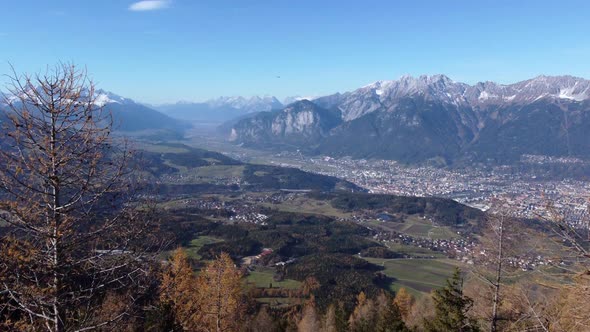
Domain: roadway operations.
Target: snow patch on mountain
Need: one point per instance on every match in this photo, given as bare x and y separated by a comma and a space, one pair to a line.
440, 88
570, 93
102, 98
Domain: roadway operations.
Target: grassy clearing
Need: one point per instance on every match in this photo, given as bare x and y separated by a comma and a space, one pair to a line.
413, 251
207, 174
217, 171
310, 206
196, 244
263, 277
417, 275
160, 148
418, 227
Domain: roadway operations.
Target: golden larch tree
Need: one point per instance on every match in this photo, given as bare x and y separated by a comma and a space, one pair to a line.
220, 298
65, 194
404, 301
179, 290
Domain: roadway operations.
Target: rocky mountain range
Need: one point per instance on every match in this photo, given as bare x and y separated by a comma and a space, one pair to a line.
413, 119
416, 119
220, 109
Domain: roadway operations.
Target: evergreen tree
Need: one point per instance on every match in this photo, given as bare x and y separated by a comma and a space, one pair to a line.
451, 308
389, 318
341, 318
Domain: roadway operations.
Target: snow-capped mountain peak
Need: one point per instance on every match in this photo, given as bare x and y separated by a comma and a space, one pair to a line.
102, 97
384, 94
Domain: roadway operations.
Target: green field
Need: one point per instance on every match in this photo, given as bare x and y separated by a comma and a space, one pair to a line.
208, 174
417, 275
413, 250
305, 204
219, 171
196, 244
263, 277
418, 227
161, 148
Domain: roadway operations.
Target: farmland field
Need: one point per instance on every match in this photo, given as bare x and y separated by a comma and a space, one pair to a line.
417, 275
263, 277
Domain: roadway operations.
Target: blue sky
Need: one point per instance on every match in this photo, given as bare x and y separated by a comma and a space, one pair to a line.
199, 49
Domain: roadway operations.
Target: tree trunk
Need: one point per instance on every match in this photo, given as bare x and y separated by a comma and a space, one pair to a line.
494, 323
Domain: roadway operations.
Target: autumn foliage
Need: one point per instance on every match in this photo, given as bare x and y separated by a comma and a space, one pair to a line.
211, 301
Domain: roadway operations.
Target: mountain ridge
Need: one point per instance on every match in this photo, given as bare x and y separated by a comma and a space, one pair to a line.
415, 119
441, 87
128, 115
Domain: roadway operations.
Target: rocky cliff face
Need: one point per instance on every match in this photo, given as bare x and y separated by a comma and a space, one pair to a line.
302, 121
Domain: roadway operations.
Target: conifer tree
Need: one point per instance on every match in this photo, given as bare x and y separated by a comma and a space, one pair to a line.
309, 319
389, 318
341, 318
404, 301
329, 322
66, 193
263, 321
363, 317
178, 290
451, 308
221, 305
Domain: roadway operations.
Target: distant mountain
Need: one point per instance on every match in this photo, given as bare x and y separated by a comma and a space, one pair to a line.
103, 98
248, 105
440, 88
221, 109
129, 116
198, 112
415, 119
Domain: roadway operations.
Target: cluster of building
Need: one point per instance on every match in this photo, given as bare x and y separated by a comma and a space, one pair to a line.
524, 195
250, 217
453, 248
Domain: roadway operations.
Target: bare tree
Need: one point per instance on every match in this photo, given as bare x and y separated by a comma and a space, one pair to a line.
501, 246
65, 194
499, 230
575, 234
568, 309
538, 303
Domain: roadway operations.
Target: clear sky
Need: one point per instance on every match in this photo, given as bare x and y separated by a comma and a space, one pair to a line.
162, 51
